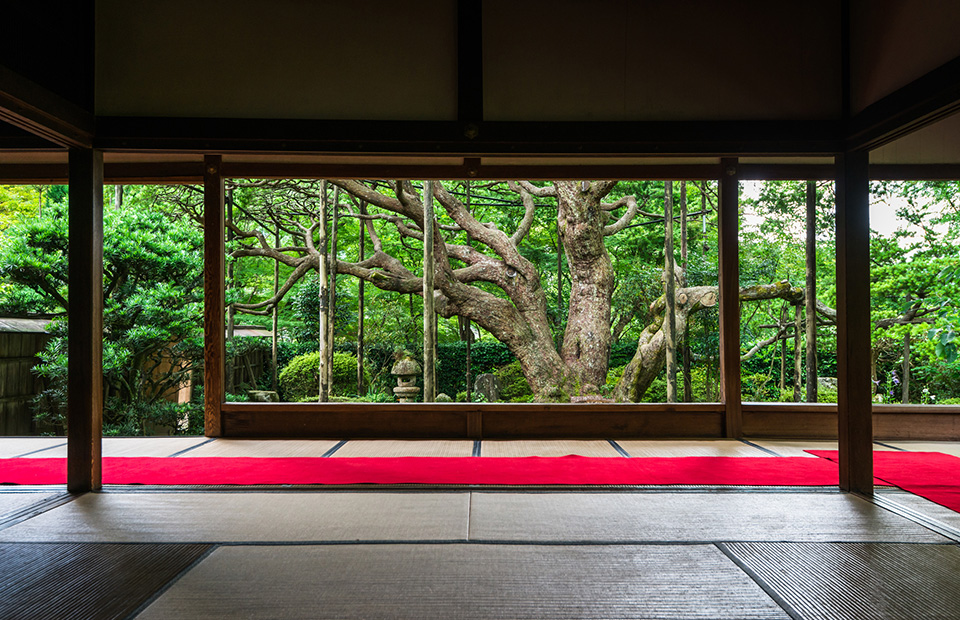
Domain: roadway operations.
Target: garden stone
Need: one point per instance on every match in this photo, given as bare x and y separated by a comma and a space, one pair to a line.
489, 385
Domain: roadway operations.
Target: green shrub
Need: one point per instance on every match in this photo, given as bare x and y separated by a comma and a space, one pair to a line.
826, 396
514, 386
950, 401
300, 379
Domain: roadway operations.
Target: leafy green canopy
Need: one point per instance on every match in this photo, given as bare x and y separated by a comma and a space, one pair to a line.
152, 317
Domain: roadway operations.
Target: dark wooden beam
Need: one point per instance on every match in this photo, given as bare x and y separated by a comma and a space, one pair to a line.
31, 107
213, 291
854, 400
730, 296
469, 65
921, 102
85, 331
447, 137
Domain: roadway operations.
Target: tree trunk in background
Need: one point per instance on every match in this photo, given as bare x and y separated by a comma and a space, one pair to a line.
361, 388
586, 343
783, 350
324, 318
230, 370
429, 314
687, 385
906, 369
274, 340
797, 366
332, 286
117, 196
811, 293
670, 294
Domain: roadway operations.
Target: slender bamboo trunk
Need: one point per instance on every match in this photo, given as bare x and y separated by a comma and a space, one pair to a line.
332, 286
361, 388
469, 328
670, 320
429, 314
230, 370
274, 340
811, 293
905, 384
687, 385
323, 319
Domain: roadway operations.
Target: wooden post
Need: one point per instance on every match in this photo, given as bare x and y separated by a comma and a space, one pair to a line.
854, 406
213, 291
323, 332
85, 323
811, 292
730, 296
670, 293
429, 314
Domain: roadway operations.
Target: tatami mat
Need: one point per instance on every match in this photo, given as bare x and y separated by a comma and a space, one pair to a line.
465, 581
11, 447
799, 447
129, 446
263, 448
688, 447
547, 447
923, 506
687, 517
248, 516
12, 500
67, 581
400, 447
859, 581
946, 447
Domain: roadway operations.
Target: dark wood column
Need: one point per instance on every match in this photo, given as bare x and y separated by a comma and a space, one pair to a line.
730, 296
213, 290
854, 401
85, 316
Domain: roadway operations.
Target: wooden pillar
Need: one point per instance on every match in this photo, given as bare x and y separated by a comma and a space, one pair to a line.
811, 292
85, 322
429, 314
730, 296
213, 291
854, 405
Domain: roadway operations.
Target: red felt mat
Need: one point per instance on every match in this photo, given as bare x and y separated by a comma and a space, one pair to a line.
568, 470
932, 475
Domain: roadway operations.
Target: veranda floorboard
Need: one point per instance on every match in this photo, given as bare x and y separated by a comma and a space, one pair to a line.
465, 581
12, 447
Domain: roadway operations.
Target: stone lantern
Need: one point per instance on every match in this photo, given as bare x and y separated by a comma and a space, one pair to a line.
406, 371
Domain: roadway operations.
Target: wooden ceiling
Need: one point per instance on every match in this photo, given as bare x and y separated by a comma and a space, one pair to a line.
490, 84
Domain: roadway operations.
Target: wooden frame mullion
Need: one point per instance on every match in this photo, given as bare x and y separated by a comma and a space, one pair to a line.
213, 292
85, 322
730, 296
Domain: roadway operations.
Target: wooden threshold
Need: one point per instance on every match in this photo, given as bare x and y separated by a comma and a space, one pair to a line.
559, 421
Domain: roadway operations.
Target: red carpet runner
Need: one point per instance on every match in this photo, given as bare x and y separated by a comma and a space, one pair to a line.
932, 475
569, 470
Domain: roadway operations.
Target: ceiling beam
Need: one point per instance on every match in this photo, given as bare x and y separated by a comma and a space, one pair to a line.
223, 135
923, 101
33, 108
